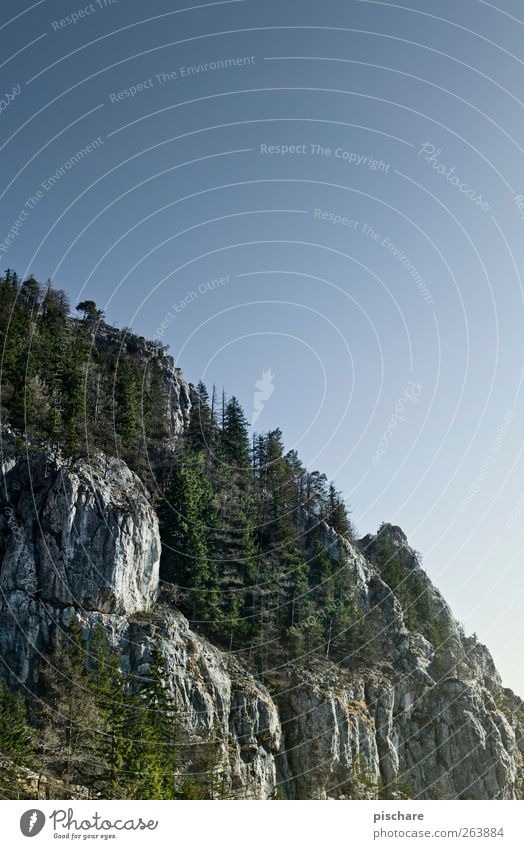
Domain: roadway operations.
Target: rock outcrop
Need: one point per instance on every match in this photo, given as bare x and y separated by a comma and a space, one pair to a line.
179, 395
82, 533
79, 538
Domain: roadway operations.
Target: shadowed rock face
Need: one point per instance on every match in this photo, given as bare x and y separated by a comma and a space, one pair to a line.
80, 538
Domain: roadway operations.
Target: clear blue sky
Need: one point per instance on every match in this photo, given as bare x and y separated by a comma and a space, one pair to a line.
373, 267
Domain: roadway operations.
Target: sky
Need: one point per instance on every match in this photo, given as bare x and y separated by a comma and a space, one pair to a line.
321, 204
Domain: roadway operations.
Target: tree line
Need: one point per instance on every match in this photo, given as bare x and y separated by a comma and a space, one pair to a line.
247, 550
242, 520
77, 382
246, 542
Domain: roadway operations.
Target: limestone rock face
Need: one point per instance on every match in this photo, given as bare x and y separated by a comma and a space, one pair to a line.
80, 533
179, 394
79, 538
330, 744
225, 715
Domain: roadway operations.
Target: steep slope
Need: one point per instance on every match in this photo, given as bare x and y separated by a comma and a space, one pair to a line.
79, 538
157, 561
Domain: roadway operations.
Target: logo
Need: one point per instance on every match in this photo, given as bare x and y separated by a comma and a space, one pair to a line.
264, 390
32, 822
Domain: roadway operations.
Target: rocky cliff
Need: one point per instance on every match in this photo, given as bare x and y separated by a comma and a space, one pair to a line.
79, 538
178, 393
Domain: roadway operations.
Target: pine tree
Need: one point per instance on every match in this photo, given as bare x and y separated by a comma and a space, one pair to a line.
337, 515
70, 716
235, 438
30, 296
90, 310
155, 404
116, 705
321, 575
298, 473
316, 494
200, 433
127, 403
17, 743
153, 761
187, 518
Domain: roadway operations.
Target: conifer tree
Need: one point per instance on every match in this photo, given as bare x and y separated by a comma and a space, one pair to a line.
337, 515
127, 398
90, 310
116, 705
186, 521
235, 437
153, 761
70, 716
17, 743
200, 433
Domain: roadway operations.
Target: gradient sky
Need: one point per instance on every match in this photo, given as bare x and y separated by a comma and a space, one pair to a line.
400, 327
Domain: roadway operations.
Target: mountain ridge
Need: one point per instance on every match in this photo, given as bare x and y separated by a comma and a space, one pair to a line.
328, 731
162, 572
